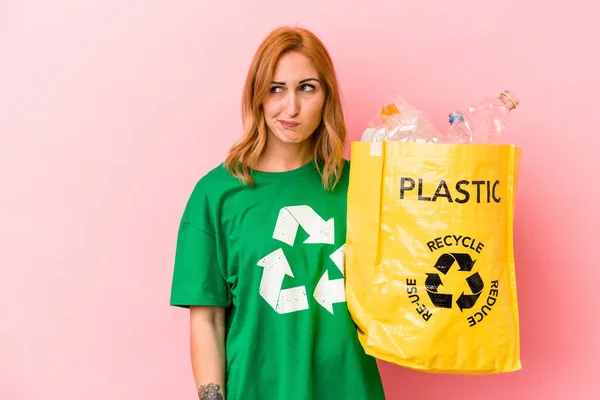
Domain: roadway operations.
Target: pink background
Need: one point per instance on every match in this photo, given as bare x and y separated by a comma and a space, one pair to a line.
111, 110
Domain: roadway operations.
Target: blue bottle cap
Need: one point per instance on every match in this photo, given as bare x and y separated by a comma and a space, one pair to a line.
453, 116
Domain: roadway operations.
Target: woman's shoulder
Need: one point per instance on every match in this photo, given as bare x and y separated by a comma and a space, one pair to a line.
346, 169
216, 180
346, 165
216, 174
206, 195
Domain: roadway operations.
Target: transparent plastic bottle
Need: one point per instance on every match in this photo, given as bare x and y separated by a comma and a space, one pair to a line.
399, 121
483, 122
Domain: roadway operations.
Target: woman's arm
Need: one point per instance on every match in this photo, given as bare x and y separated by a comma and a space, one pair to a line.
207, 345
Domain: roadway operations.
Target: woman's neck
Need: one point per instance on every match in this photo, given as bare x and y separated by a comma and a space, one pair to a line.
280, 157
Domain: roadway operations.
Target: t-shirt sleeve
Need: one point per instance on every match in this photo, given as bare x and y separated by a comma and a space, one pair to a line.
197, 277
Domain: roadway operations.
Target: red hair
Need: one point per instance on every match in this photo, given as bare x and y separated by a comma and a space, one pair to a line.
330, 135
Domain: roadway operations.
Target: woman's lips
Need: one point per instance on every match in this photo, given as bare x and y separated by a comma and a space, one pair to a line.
288, 124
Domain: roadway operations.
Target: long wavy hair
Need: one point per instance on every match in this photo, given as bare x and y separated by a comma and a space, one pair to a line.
329, 137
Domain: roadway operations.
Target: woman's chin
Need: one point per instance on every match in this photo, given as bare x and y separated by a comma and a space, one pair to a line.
290, 137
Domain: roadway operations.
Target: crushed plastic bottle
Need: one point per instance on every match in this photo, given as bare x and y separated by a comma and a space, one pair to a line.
484, 122
399, 121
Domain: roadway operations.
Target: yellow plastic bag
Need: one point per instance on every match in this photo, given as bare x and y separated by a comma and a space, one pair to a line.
429, 256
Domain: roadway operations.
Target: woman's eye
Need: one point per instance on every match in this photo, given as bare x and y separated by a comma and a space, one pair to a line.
307, 88
276, 89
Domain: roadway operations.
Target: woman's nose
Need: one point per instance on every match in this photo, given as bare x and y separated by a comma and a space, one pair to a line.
293, 106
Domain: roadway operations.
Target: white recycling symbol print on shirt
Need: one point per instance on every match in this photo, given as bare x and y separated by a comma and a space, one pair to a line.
276, 267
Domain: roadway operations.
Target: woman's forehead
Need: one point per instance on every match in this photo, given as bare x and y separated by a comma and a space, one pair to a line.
294, 67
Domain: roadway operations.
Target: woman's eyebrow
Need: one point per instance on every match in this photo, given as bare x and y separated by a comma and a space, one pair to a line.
300, 82
309, 79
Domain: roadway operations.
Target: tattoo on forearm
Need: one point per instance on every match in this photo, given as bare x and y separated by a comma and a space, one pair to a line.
210, 392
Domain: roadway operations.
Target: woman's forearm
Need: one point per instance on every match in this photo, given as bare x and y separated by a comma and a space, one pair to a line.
207, 345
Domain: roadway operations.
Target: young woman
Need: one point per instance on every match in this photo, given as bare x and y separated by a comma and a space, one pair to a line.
260, 249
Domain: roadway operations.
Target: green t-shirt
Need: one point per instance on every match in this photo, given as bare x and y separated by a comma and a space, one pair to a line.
273, 254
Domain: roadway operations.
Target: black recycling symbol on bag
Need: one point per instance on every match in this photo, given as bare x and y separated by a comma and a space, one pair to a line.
444, 264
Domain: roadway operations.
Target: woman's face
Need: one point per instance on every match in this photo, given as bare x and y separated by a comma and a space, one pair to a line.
293, 108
